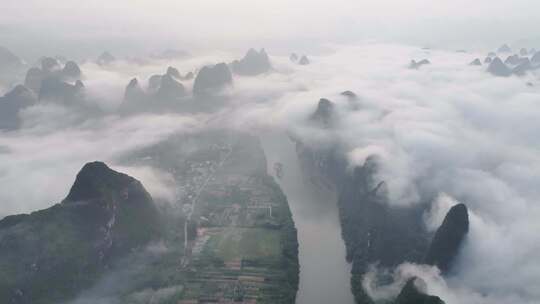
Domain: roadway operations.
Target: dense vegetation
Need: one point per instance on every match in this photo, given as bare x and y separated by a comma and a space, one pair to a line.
50, 255
375, 231
448, 238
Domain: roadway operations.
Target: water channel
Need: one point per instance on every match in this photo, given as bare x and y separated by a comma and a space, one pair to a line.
324, 272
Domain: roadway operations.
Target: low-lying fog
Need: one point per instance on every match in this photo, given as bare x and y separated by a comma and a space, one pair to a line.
447, 130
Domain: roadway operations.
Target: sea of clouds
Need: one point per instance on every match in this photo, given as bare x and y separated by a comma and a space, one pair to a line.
447, 132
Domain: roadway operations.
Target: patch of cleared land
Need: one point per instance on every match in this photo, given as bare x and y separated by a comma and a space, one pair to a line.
241, 244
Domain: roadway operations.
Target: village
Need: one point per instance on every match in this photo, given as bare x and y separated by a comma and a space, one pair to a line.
234, 224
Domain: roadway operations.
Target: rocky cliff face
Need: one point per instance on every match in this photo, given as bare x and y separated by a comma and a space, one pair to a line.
11, 103
173, 72
504, 49
293, 57
349, 94
414, 293
378, 232
253, 63
449, 238
51, 82
105, 58
373, 230
169, 89
325, 114
57, 91
418, 64
71, 71
33, 79
49, 255
304, 60
211, 79
523, 67
50, 64
56, 83
536, 57
513, 59
323, 164
498, 68
476, 62
135, 98
153, 83
164, 93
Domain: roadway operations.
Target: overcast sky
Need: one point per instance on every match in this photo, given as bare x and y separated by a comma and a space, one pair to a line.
143, 25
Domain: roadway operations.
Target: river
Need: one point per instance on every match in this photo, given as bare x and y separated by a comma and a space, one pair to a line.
324, 272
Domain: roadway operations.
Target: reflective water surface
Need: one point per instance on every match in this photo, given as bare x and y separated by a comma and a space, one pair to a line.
324, 272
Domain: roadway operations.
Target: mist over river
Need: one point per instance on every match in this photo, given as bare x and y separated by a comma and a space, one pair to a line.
324, 272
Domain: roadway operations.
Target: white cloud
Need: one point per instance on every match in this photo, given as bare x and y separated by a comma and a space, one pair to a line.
38, 166
445, 128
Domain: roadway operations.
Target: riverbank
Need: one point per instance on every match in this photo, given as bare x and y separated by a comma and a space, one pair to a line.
324, 272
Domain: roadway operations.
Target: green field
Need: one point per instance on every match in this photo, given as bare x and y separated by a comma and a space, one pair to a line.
235, 243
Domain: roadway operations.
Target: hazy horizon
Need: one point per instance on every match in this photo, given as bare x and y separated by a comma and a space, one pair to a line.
85, 29
375, 119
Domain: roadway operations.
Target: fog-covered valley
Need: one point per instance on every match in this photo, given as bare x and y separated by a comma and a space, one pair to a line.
299, 166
